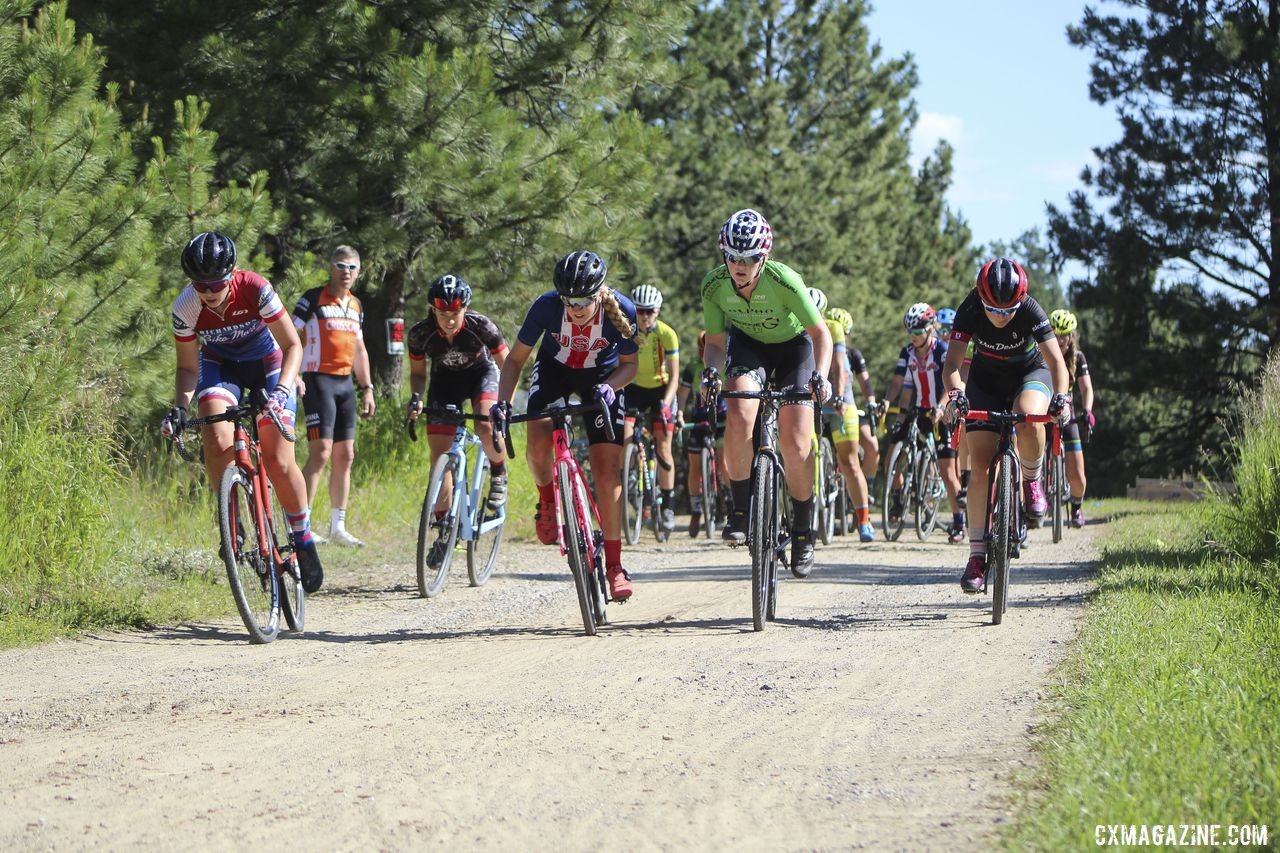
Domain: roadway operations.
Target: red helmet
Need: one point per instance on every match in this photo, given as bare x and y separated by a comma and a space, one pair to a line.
1002, 283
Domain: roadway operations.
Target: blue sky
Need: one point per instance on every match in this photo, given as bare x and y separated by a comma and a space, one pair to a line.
999, 81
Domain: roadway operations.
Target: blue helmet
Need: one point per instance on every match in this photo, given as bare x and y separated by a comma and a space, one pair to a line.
947, 317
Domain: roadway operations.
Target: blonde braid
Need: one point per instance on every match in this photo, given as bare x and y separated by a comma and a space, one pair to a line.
1072, 355
618, 318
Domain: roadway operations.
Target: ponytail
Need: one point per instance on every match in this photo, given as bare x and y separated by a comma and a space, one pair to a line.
618, 318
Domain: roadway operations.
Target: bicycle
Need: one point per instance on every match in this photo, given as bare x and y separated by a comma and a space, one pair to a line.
715, 494
913, 478
1056, 489
640, 483
467, 516
765, 536
578, 520
261, 568
838, 507
1003, 514
826, 479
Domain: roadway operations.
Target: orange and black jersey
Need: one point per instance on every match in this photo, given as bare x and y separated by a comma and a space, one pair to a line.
1013, 348
331, 326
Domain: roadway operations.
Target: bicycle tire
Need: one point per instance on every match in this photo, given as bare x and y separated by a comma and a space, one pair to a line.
575, 545
827, 494
998, 550
657, 505
632, 494
1057, 476
842, 507
763, 539
293, 598
899, 465
255, 586
431, 579
710, 492
482, 548
929, 488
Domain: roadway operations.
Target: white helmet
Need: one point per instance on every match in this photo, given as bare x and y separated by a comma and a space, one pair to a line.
819, 299
918, 316
647, 296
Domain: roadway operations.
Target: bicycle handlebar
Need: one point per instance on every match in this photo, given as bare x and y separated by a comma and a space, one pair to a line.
547, 413
793, 395
231, 415
1007, 417
446, 414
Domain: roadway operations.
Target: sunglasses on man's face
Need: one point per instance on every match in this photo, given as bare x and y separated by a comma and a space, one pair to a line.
346, 267
454, 304
1002, 312
212, 286
744, 259
578, 304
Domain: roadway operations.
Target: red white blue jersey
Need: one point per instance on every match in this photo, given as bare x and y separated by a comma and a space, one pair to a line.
241, 333
596, 343
923, 372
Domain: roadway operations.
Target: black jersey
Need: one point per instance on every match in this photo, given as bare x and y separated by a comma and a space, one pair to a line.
471, 346
1011, 349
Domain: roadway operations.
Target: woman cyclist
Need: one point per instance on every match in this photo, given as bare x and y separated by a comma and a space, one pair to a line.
857, 365
1065, 327
232, 336
762, 311
466, 351
653, 391
589, 345
920, 365
843, 422
1016, 366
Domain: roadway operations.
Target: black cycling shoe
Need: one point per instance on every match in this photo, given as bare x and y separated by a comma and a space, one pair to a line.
309, 565
735, 530
802, 554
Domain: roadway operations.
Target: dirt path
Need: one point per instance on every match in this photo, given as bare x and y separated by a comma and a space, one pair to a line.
880, 711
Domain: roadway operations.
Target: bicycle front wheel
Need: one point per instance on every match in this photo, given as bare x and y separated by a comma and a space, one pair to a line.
897, 483
826, 493
710, 492
998, 549
251, 572
575, 544
763, 538
632, 493
436, 537
1056, 491
486, 531
929, 490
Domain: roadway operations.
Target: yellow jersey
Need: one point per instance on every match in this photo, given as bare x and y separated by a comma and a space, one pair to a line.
659, 345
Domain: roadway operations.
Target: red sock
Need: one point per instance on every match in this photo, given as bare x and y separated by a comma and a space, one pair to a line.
613, 552
547, 494
864, 515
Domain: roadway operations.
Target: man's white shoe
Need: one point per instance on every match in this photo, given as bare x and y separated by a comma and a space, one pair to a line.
342, 537
320, 540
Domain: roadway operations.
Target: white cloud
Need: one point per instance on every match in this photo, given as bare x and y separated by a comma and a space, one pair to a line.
931, 128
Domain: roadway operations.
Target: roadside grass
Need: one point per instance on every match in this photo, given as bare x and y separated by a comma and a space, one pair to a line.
1167, 710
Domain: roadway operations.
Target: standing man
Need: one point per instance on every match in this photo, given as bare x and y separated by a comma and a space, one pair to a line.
329, 319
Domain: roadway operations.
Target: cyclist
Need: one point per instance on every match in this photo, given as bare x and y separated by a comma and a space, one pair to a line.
1066, 329
857, 365
232, 335
760, 309
843, 423
589, 345
920, 362
466, 350
1016, 366
653, 391
946, 319
699, 413
328, 319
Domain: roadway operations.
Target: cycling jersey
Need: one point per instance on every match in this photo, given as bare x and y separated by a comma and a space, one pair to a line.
595, 343
837, 335
240, 333
1080, 368
474, 345
1011, 349
857, 364
659, 345
922, 373
779, 308
330, 326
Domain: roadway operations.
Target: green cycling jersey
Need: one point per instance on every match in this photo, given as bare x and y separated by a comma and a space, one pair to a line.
779, 308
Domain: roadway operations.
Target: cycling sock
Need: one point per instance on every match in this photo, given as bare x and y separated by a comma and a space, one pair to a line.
957, 519
613, 552
802, 515
695, 504
338, 518
1031, 470
498, 469
300, 525
547, 494
668, 498
1075, 503
977, 542
964, 478
864, 514
741, 495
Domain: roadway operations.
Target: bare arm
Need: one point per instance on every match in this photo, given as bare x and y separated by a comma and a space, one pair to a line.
287, 337
1057, 365
184, 379
509, 376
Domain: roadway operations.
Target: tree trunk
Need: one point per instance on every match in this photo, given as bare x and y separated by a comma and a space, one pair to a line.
385, 302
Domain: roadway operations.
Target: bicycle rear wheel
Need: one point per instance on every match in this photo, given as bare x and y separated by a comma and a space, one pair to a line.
486, 531
929, 491
842, 507
632, 493
575, 545
437, 538
998, 548
826, 493
898, 469
763, 538
710, 492
250, 572
1056, 492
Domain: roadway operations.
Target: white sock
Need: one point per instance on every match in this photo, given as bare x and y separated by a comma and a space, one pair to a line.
337, 519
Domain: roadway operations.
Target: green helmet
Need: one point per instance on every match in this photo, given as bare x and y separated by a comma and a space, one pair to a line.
843, 317
1063, 322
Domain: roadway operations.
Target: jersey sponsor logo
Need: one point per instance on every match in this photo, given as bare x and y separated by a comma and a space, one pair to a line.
342, 325
239, 312
580, 343
455, 358
231, 334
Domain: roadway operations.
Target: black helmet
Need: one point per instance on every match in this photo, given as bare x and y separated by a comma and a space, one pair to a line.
209, 256
449, 293
580, 274
1002, 283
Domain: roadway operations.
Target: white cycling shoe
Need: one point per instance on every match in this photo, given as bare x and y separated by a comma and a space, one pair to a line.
342, 537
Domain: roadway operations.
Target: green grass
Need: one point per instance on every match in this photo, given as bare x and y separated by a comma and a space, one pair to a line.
1168, 708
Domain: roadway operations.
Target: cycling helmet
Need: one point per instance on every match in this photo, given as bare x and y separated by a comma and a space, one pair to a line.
947, 317
1002, 283
918, 316
1063, 322
647, 296
843, 317
819, 299
449, 293
209, 256
746, 234
580, 274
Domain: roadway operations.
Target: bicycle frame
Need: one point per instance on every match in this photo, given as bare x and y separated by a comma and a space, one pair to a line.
467, 496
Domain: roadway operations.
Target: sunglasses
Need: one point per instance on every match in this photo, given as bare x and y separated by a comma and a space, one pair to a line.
646, 310
454, 304
212, 286
578, 304
1002, 312
748, 258
346, 267
915, 333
